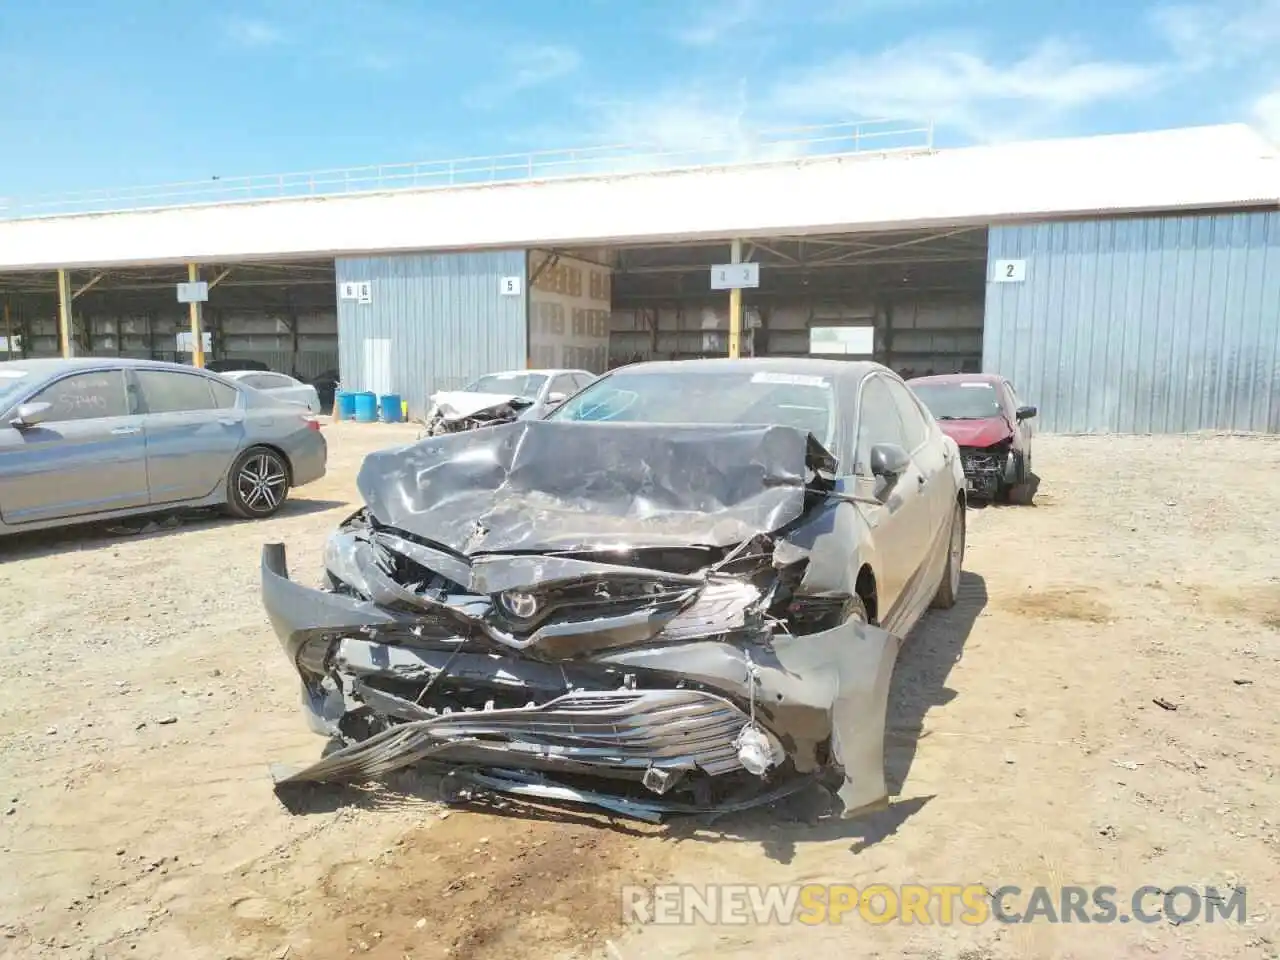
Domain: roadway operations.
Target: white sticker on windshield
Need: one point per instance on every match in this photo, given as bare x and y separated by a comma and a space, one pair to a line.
980, 386
794, 379
12, 374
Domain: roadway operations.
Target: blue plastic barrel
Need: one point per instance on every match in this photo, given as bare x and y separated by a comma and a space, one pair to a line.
344, 406
366, 406
391, 408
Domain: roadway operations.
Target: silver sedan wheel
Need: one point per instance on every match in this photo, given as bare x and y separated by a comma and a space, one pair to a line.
262, 483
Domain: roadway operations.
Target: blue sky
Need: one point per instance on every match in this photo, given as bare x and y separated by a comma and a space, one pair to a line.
95, 93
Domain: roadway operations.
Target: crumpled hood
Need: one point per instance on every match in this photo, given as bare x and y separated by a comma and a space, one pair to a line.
457, 404
977, 433
542, 486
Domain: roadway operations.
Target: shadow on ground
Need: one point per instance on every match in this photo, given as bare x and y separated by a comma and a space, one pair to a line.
106, 534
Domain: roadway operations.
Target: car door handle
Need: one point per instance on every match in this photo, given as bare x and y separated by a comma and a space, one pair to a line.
920, 479
124, 431
227, 421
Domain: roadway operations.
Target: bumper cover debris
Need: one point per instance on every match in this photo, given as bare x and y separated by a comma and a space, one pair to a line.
651, 634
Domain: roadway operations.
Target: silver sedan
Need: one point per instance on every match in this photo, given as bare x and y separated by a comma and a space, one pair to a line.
279, 385
97, 438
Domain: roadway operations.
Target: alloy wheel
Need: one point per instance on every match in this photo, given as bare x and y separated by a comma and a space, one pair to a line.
262, 483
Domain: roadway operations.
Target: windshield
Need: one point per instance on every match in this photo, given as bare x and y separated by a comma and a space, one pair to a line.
512, 384
763, 397
959, 401
14, 381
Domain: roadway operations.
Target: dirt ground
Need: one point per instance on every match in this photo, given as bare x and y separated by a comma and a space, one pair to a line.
145, 696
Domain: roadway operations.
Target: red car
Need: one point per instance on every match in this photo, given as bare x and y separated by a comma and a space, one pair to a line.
982, 413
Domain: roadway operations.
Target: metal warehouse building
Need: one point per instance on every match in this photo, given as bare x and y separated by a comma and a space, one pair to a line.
1123, 283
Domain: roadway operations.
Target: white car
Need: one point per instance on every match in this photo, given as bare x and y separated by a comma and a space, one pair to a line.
504, 396
279, 385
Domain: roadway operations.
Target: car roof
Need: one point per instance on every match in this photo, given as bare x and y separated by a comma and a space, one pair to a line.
991, 378
813, 366
48, 366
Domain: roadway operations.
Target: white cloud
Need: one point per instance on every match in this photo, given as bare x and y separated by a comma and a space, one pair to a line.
1225, 33
944, 80
710, 23
525, 68
534, 66
693, 125
960, 82
960, 88
253, 33
1266, 114
1230, 44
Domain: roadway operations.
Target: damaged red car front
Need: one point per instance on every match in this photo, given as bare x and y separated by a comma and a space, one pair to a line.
982, 414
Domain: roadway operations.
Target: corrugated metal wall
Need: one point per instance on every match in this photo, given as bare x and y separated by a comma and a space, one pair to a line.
1157, 325
445, 318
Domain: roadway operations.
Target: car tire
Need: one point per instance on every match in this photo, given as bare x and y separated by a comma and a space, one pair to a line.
1024, 491
949, 588
1021, 495
257, 484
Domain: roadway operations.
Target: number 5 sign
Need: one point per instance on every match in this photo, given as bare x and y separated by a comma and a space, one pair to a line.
510, 286
1009, 271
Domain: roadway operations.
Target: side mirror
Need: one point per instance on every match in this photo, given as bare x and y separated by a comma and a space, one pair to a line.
889, 461
30, 414
1026, 413
556, 398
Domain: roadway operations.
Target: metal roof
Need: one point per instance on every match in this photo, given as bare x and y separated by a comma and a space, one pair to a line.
1201, 168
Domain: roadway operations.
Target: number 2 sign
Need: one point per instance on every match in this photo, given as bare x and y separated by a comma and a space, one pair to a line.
1009, 271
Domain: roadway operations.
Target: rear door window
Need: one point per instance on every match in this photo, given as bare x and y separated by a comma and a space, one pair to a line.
271, 381
224, 395
165, 391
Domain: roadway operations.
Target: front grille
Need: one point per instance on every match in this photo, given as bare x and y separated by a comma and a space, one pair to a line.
611, 596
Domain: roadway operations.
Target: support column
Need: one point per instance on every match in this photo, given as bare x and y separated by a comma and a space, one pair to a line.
735, 307
64, 313
197, 333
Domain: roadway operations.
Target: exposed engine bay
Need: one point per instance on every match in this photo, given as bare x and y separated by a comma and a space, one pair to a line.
458, 411
988, 469
650, 619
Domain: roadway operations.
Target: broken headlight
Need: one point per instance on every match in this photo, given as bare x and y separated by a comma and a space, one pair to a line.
342, 562
313, 655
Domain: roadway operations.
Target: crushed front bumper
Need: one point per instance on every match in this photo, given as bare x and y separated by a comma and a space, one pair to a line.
662, 719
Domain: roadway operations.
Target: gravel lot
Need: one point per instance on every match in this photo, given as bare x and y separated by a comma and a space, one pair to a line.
145, 696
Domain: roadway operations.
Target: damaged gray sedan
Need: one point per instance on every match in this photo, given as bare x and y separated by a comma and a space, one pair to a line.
684, 591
